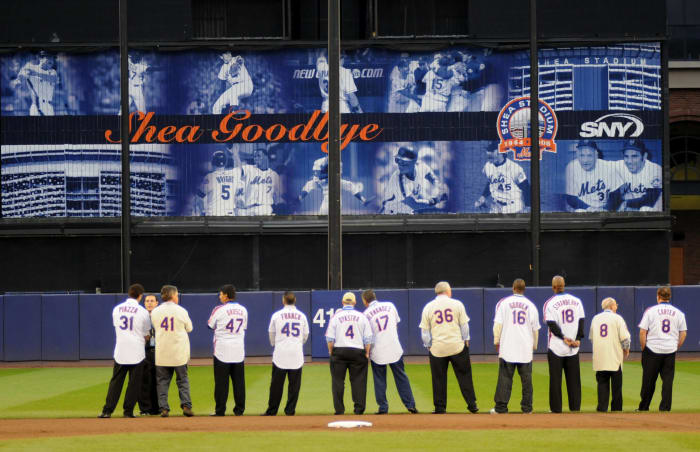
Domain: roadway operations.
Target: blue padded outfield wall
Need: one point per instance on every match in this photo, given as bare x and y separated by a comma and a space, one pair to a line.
70, 327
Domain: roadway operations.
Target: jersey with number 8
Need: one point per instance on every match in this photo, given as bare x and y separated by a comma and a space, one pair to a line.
663, 323
566, 310
229, 322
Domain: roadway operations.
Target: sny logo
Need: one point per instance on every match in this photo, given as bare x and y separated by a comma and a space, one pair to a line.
613, 125
514, 128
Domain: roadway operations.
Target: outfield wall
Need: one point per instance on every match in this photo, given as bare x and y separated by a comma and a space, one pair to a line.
53, 327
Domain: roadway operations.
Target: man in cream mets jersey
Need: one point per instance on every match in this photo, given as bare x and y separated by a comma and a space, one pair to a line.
445, 332
131, 326
610, 339
172, 323
349, 338
506, 184
564, 316
229, 321
516, 326
288, 330
590, 179
662, 332
387, 350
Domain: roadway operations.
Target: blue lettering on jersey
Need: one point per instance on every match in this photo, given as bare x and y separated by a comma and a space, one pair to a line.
587, 189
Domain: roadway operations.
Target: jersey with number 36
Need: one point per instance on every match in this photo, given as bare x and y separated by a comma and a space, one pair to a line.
229, 322
663, 323
566, 310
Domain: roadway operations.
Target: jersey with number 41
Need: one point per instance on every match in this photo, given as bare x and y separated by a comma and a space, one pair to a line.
565, 310
229, 322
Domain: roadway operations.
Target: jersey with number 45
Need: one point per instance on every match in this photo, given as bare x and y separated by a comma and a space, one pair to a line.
229, 322
504, 179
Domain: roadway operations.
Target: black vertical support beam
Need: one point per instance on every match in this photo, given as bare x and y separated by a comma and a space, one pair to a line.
126, 167
256, 261
410, 281
535, 147
335, 244
666, 146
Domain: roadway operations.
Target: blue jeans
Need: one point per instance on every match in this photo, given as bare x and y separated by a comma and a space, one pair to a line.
402, 385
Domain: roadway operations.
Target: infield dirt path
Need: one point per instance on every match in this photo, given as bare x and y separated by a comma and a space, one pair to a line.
37, 428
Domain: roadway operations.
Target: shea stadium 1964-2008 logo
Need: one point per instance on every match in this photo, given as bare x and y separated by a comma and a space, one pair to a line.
514, 128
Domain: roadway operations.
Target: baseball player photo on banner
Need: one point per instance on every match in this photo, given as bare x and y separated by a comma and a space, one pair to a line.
423, 132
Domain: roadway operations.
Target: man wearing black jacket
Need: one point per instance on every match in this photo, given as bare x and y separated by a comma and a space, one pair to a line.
564, 316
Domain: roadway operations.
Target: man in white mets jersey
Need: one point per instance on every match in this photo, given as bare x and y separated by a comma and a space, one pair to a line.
288, 331
516, 326
641, 179
137, 74
239, 83
445, 332
507, 186
662, 332
413, 188
387, 350
438, 86
349, 338
564, 316
348, 99
611, 340
221, 188
39, 76
319, 181
131, 326
229, 321
590, 179
261, 186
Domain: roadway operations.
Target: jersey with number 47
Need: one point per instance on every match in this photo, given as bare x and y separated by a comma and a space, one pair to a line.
229, 322
566, 310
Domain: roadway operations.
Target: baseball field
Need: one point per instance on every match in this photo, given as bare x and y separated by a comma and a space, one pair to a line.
55, 408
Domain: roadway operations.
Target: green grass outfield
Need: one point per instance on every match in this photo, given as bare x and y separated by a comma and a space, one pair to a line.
80, 391
483, 440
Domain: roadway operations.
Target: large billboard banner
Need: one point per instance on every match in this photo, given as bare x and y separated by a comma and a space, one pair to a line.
244, 134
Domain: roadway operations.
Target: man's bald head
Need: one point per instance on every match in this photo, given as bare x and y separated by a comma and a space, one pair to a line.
558, 284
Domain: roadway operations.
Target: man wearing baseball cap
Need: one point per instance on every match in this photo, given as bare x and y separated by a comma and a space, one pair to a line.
641, 179
349, 338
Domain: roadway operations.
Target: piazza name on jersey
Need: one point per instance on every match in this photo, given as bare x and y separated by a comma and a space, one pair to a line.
129, 309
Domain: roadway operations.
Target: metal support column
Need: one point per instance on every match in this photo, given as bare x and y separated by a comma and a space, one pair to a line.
534, 147
126, 167
335, 238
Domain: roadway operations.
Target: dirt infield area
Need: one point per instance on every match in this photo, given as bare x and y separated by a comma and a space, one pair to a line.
42, 428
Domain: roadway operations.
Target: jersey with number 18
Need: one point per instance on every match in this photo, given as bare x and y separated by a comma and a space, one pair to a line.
566, 310
229, 322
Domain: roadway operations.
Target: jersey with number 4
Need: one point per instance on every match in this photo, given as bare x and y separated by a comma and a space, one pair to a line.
229, 322
291, 329
663, 323
384, 318
565, 310
131, 324
222, 187
349, 328
504, 179
519, 319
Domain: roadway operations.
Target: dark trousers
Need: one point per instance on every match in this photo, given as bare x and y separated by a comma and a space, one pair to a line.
117, 382
604, 379
653, 365
402, 385
222, 372
163, 377
148, 397
572, 372
462, 368
277, 387
353, 361
504, 386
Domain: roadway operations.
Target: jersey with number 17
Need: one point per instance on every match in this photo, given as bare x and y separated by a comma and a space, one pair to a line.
229, 322
384, 319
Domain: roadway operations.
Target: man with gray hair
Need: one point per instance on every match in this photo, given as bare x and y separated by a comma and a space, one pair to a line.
172, 323
610, 339
445, 331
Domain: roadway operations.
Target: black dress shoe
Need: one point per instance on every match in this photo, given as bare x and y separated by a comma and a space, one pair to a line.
412, 410
439, 412
474, 409
104, 415
266, 413
129, 415
339, 413
382, 412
